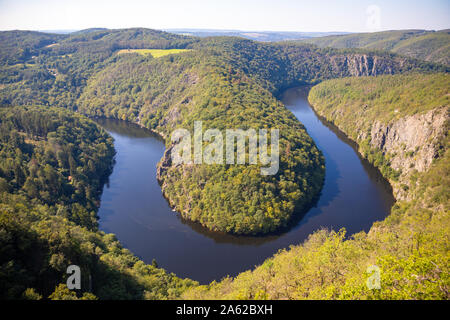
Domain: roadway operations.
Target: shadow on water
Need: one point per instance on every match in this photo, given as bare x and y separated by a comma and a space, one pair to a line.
125, 128
354, 195
222, 238
373, 173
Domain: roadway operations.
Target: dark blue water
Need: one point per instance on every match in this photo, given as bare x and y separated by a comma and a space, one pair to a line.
132, 206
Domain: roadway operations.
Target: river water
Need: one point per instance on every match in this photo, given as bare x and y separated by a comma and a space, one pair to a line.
133, 207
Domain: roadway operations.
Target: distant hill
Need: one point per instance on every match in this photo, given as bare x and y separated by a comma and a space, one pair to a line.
90, 30
266, 36
17, 46
433, 46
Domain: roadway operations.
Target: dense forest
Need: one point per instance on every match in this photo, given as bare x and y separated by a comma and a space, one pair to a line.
53, 183
53, 164
53, 158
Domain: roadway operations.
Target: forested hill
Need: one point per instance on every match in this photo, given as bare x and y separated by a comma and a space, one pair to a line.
433, 46
52, 69
19, 46
280, 65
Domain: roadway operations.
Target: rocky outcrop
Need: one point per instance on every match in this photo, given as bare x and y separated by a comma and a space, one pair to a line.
164, 164
364, 64
411, 142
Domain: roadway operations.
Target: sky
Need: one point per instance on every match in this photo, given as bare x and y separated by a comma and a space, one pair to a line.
253, 15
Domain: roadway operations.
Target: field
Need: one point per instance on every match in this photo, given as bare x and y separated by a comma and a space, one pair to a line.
156, 53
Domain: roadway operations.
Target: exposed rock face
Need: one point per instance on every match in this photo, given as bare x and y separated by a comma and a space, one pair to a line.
411, 142
363, 64
164, 164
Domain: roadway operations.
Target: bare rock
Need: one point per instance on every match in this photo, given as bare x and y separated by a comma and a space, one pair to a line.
411, 142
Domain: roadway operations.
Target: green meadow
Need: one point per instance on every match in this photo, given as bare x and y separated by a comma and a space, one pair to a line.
156, 53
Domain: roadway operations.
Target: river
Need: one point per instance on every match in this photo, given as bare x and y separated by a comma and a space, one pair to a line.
133, 207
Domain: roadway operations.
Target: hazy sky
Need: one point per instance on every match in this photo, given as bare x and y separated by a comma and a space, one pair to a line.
277, 15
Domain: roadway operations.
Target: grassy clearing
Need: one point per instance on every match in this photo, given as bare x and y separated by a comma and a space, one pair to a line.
156, 53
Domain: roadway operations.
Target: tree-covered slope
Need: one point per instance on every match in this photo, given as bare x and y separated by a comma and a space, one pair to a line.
281, 65
53, 157
383, 98
52, 168
411, 246
433, 46
53, 69
19, 46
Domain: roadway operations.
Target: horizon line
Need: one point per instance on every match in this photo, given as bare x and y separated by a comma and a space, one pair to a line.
214, 30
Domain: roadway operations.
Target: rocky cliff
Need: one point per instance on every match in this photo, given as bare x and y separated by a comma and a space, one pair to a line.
411, 143
364, 64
